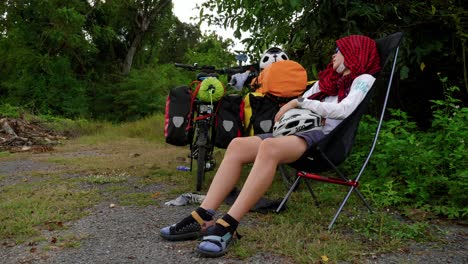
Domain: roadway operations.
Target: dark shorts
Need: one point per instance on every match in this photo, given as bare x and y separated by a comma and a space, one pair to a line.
311, 137
305, 162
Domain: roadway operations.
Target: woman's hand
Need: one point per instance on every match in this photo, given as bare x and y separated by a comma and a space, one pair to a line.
290, 105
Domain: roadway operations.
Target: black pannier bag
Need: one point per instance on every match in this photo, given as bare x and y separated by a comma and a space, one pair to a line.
264, 110
228, 120
177, 117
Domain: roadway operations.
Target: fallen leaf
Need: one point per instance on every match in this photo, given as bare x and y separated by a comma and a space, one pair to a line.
324, 237
324, 258
52, 225
53, 240
155, 195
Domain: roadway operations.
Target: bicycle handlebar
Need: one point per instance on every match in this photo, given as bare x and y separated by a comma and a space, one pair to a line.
212, 69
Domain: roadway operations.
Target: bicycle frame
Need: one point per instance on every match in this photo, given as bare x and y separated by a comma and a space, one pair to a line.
202, 128
202, 147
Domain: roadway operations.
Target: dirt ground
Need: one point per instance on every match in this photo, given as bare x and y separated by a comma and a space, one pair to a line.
127, 234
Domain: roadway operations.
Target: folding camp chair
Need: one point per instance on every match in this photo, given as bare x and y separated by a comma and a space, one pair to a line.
332, 150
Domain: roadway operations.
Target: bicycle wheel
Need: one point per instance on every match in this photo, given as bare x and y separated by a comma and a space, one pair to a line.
201, 159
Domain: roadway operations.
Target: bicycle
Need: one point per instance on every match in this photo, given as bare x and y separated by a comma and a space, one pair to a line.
202, 124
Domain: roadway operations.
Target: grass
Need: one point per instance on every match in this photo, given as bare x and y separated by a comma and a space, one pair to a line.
106, 178
4, 154
63, 241
300, 232
137, 199
121, 156
147, 129
124, 152
27, 208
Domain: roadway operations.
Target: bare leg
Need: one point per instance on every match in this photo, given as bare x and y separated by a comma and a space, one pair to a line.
239, 152
272, 151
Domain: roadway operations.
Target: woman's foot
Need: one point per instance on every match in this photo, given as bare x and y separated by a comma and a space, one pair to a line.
219, 238
191, 227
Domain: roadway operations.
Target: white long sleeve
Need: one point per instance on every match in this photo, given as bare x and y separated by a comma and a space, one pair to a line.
333, 111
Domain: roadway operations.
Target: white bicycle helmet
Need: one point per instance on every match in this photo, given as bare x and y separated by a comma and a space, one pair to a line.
297, 120
273, 54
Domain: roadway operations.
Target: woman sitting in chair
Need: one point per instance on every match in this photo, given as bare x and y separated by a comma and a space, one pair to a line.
340, 89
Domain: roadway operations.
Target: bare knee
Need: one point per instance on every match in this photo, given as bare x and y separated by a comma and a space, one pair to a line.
282, 150
269, 149
236, 145
243, 149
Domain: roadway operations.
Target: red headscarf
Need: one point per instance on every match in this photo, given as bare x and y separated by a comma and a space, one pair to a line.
360, 56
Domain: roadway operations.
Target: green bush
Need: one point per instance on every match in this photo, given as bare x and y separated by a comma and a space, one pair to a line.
424, 169
7, 110
44, 85
137, 95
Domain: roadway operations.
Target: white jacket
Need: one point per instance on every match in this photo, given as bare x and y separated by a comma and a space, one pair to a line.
333, 111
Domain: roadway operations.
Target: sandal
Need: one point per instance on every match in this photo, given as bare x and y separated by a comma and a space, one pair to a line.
193, 228
213, 246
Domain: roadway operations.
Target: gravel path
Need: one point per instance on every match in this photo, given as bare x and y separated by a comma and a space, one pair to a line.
453, 248
125, 234
122, 235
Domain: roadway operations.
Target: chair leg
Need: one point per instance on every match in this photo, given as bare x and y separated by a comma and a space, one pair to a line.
288, 176
363, 200
330, 226
344, 202
312, 193
285, 199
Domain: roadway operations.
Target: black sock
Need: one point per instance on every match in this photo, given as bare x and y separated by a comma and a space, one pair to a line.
206, 215
231, 221
220, 229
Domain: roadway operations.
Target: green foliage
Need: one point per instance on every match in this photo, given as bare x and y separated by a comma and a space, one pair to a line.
63, 126
256, 17
177, 41
144, 92
212, 50
137, 95
424, 169
41, 55
384, 227
7, 110
65, 58
47, 86
434, 31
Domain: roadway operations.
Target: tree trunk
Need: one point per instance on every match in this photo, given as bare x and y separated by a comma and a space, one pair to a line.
143, 19
131, 53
